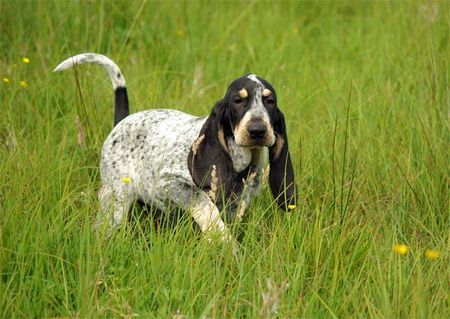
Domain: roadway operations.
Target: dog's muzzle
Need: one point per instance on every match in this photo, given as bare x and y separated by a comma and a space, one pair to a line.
259, 134
254, 131
257, 131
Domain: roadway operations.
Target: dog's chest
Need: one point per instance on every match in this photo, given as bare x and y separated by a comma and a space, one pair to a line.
240, 156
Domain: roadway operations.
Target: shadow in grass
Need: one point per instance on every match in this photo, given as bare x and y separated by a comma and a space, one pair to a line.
150, 218
145, 217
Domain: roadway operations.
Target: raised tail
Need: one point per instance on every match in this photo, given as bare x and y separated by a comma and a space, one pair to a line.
121, 106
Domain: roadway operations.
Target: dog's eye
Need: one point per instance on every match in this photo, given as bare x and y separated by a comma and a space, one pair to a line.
238, 100
270, 101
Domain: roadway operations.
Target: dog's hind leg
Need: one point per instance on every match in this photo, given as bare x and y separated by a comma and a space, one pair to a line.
114, 207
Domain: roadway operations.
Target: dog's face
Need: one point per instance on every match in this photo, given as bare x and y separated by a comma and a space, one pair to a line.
250, 103
249, 114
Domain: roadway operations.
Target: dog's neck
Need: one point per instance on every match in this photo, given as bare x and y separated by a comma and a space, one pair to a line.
242, 157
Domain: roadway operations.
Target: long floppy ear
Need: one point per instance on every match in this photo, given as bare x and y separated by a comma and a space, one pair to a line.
209, 161
281, 176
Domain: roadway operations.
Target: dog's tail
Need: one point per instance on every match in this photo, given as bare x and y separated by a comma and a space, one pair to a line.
121, 106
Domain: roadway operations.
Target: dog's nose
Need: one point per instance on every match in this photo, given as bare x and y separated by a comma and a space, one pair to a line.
257, 130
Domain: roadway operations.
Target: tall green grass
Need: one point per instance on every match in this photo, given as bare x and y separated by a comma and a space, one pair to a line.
365, 90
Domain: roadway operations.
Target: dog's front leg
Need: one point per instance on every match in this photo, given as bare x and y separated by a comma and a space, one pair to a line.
246, 197
198, 203
250, 190
207, 216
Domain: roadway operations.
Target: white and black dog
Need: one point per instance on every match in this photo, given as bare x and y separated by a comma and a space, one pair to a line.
203, 165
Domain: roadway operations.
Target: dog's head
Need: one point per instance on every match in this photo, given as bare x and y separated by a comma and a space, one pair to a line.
249, 105
248, 114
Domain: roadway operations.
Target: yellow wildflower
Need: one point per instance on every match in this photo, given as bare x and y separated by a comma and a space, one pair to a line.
432, 254
126, 179
25, 60
5, 79
401, 249
292, 207
23, 83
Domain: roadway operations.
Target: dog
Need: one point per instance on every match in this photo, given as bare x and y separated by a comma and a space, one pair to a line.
203, 165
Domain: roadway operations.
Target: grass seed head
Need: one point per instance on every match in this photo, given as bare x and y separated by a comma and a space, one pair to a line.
271, 298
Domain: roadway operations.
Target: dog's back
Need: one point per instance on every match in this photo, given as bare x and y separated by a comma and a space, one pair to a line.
148, 148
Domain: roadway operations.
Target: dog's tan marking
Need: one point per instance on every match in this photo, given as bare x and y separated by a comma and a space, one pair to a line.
243, 93
221, 136
214, 184
278, 147
266, 92
197, 143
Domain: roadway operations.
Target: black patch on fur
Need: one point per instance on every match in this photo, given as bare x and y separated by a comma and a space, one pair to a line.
211, 153
281, 176
121, 105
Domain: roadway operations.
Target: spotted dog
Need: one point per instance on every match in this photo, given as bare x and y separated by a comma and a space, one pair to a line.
204, 165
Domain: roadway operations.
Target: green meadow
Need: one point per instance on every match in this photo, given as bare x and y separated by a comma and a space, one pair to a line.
364, 87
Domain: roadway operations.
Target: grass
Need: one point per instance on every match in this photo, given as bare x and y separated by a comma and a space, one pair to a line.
365, 90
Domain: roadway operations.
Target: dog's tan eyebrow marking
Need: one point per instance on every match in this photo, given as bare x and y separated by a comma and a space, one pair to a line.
243, 93
266, 92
